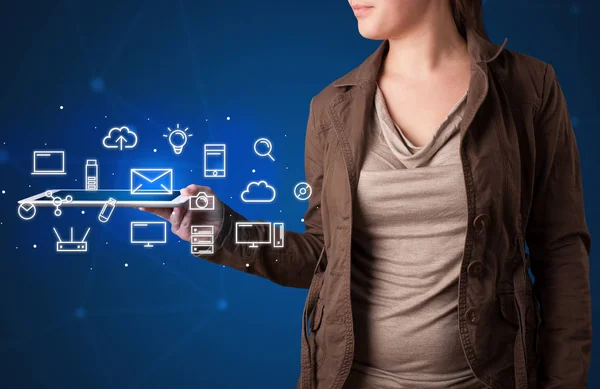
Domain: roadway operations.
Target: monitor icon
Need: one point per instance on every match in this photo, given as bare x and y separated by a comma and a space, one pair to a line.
214, 160
148, 233
49, 163
274, 234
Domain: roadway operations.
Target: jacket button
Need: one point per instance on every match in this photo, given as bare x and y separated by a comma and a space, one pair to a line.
475, 268
471, 315
481, 221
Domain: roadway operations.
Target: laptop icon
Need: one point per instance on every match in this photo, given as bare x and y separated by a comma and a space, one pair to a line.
48, 163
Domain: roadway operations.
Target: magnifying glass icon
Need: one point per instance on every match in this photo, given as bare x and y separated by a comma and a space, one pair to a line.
263, 148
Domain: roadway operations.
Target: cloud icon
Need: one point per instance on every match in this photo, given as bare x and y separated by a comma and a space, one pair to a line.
120, 138
258, 192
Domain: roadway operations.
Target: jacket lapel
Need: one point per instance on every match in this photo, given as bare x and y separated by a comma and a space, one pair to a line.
351, 110
481, 52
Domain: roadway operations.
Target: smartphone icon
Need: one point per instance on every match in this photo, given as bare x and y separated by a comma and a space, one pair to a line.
214, 160
107, 210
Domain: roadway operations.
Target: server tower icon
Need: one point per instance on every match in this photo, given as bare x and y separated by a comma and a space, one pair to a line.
202, 239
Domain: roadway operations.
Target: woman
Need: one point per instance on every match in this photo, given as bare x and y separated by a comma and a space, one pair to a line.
417, 272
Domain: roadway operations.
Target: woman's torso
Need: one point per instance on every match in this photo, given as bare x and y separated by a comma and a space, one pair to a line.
408, 238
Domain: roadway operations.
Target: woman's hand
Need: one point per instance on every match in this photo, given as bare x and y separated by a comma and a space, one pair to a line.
182, 218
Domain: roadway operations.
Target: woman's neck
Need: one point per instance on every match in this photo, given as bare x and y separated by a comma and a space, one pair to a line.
426, 46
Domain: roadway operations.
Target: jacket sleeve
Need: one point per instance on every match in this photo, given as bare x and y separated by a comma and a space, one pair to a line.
294, 264
559, 246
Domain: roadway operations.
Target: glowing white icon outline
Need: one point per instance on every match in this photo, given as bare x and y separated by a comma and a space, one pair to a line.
58, 202
178, 149
26, 207
202, 239
137, 172
121, 138
104, 215
74, 249
258, 183
91, 182
269, 148
215, 149
147, 244
193, 204
279, 226
276, 234
48, 153
299, 188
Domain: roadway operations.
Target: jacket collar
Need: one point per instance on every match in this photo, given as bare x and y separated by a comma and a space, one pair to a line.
480, 50
351, 111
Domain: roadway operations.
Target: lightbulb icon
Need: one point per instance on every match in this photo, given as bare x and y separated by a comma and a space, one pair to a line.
178, 138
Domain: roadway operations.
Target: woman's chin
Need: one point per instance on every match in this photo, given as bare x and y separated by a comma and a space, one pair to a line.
370, 32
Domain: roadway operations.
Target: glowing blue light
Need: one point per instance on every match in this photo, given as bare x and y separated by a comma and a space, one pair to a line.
97, 85
3, 156
574, 121
222, 305
80, 313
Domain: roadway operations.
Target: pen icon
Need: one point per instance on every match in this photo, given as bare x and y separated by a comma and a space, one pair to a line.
107, 210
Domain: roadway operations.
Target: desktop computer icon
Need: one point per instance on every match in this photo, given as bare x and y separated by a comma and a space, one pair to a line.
273, 234
148, 233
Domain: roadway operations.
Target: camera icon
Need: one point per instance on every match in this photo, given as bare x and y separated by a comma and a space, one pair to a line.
202, 202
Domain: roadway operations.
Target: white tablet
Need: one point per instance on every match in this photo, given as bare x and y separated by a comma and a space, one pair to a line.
97, 198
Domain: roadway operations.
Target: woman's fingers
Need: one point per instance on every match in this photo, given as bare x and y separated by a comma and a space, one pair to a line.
176, 218
192, 190
186, 221
164, 213
180, 217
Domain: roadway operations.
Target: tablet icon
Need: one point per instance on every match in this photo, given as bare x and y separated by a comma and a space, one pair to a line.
214, 160
48, 163
26, 211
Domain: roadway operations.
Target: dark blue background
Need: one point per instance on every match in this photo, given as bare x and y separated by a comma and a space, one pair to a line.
168, 319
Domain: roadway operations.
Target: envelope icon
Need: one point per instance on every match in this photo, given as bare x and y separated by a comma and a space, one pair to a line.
151, 181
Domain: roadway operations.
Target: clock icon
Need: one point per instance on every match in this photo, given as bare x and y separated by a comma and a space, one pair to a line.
26, 211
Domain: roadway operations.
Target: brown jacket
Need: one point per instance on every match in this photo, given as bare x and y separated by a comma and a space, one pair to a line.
523, 183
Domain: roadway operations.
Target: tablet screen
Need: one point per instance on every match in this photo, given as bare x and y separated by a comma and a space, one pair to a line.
119, 195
